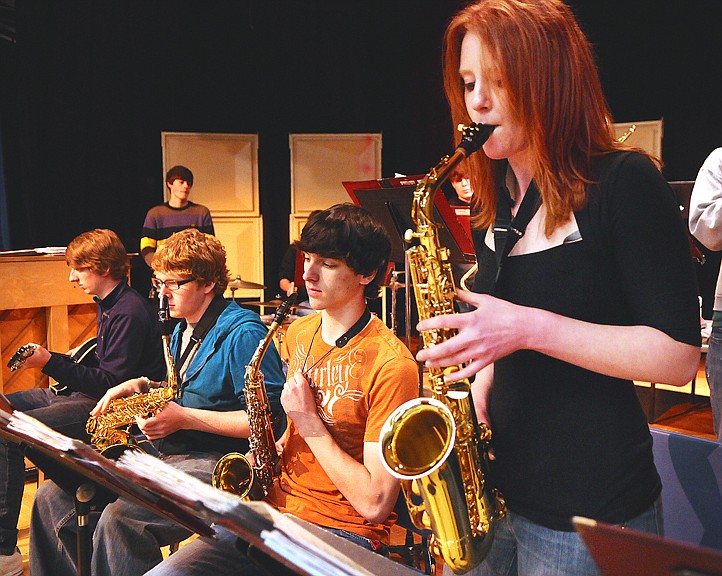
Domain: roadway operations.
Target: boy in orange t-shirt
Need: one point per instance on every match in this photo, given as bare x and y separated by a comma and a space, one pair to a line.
347, 373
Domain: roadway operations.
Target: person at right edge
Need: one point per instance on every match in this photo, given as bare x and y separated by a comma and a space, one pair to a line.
597, 293
705, 224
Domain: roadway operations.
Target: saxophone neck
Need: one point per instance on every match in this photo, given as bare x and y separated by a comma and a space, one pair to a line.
171, 374
282, 311
422, 209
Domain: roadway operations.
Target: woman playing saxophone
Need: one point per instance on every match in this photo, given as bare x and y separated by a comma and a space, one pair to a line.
585, 283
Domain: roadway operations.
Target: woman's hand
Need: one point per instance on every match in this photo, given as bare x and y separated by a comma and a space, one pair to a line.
494, 330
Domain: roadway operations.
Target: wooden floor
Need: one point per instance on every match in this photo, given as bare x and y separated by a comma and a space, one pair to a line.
690, 416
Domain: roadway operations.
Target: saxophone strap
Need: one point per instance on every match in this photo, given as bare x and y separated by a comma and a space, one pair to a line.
507, 230
207, 321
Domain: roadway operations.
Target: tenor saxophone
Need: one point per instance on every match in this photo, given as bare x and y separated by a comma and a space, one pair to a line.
435, 446
234, 472
110, 430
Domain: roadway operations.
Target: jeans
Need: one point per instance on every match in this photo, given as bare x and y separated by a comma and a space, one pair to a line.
127, 537
522, 548
204, 556
713, 370
66, 414
221, 555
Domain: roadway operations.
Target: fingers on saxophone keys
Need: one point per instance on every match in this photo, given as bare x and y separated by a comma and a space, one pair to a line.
447, 353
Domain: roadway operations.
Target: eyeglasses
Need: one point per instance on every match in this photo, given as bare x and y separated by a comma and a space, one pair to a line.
172, 285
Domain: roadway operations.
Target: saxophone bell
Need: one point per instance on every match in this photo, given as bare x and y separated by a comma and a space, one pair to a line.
418, 446
234, 473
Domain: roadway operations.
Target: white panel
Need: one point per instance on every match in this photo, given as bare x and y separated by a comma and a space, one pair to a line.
647, 135
320, 162
243, 241
224, 166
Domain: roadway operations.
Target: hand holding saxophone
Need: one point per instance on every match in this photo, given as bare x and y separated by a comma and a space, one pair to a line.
171, 418
122, 390
494, 330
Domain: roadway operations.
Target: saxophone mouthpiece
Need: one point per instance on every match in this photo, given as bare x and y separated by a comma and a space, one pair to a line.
285, 308
164, 315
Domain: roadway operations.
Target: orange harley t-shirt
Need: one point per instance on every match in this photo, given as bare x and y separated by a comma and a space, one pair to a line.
356, 388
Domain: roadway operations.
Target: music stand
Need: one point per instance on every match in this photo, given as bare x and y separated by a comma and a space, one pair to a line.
621, 551
80, 470
390, 201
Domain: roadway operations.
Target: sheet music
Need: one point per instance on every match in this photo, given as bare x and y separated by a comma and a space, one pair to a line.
29, 426
178, 482
50, 250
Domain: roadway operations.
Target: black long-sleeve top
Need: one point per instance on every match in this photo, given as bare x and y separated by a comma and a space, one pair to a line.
128, 346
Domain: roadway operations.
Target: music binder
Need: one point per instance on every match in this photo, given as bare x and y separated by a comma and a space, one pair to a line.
91, 478
298, 545
76, 460
621, 551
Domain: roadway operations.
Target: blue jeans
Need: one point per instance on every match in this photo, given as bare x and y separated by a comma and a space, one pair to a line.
713, 370
220, 555
66, 414
127, 537
523, 548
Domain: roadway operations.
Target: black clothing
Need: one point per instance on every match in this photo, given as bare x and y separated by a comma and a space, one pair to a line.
129, 345
569, 441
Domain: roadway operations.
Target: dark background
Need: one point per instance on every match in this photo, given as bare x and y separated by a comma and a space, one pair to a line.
87, 86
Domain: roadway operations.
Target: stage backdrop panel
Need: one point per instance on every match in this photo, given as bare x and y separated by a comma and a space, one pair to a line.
320, 163
225, 179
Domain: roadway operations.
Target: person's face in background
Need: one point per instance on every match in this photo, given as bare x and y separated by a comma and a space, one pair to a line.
462, 187
178, 190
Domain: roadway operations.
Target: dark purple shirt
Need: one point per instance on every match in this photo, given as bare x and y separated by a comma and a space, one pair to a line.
129, 345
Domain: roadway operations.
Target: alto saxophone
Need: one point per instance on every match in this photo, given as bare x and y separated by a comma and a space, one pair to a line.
435, 446
234, 472
110, 431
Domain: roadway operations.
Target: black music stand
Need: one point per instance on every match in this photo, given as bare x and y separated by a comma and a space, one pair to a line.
390, 201
78, 467
91, 478
621, 551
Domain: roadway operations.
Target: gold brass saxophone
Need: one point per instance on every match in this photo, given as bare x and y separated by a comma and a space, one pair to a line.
234, 472
435, 446
110, 431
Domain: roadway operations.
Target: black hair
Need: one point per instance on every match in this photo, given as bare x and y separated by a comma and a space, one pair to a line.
351, 234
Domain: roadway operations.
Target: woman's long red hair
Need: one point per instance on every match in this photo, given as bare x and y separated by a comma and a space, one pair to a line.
548, 69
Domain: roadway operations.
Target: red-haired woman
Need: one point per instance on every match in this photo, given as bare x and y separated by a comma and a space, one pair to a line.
597, 292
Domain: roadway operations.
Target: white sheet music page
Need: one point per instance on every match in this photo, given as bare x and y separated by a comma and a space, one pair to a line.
32, 428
